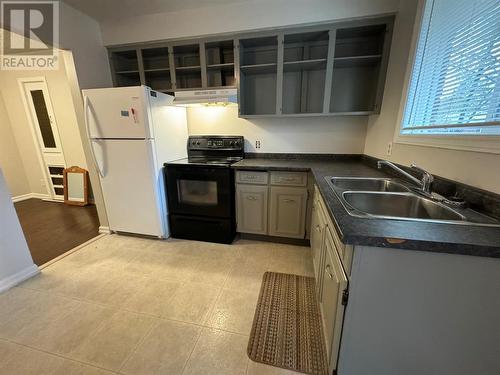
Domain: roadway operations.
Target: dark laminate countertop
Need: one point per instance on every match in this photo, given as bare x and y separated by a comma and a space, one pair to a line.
425, 236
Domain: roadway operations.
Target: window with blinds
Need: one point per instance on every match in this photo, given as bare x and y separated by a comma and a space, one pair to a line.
455, 82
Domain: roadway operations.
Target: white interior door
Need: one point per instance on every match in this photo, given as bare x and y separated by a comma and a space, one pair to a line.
39, 110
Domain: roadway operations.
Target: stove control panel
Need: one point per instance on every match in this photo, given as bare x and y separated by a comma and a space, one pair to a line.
215, 143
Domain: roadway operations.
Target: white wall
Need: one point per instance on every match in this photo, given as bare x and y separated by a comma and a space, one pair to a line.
65, 117
473, 168
298, 135
86, 66
239, 16
82, 35
10, 159
16, 263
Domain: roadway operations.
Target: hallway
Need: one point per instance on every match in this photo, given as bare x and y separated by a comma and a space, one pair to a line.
53, 228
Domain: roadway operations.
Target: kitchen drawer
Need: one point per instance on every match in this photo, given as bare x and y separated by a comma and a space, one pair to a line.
289, 178
252, 177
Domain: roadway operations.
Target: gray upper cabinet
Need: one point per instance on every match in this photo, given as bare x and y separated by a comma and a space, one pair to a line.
220, 64
258, 59
359, 68
170, 67
304, 72
325, 70
188, 70
125, 67
156, 66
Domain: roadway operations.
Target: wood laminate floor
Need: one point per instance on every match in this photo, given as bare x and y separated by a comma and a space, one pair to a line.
52, 228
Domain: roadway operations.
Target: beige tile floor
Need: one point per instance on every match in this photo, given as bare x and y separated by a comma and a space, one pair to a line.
136, 306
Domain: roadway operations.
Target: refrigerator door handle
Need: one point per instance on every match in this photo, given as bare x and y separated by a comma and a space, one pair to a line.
87, 129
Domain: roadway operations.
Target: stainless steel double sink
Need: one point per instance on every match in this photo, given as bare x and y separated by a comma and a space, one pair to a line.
391, 199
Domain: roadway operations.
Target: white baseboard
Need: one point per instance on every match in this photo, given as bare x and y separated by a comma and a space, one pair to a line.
23, 197
18, 278
20, 198
104, 230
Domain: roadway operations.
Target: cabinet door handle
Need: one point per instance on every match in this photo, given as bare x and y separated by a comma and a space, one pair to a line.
289, 200
251, 198
328, 272
287, 179
318, 228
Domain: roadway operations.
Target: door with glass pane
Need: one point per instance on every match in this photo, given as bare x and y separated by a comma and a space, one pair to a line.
45, 132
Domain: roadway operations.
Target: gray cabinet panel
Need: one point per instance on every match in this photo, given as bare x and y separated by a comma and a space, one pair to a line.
334, 282
318, 226
252, 208
287, 212
334, 69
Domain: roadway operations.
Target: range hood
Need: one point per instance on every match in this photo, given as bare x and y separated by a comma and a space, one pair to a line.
210, 97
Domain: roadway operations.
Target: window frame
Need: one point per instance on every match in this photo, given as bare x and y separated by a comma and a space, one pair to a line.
477, 143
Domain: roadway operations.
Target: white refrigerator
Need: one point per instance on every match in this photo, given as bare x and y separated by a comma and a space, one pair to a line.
132, 131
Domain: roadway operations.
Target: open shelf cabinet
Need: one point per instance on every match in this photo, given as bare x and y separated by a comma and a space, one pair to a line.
334, 70
304, 72
156, 65
357, 67
187, 66
125, 66
324, 70
258, 75
219, 58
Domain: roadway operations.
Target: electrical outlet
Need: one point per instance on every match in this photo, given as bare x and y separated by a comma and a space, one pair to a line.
257, 144
42, 183
389, 148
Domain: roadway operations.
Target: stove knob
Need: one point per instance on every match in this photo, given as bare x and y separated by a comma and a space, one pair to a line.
198, 143
231, 143
237, 144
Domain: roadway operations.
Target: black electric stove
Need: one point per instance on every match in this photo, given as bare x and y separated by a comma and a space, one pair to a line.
200, 189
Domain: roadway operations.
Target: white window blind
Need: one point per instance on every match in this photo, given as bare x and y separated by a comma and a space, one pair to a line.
455, 82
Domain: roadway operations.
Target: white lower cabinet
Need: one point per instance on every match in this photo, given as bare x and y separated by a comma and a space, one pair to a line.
272, 203
287, 212
251, 208
318, 225
331, 279
334, 282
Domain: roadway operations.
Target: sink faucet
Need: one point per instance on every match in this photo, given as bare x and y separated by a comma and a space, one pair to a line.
424, 183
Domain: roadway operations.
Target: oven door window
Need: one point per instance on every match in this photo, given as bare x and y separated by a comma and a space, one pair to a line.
196, 192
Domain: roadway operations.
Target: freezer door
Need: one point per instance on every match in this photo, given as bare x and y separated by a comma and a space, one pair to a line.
120, 112
129, 185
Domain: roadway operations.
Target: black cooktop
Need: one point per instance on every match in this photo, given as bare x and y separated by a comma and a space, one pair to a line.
212, 150
204, 161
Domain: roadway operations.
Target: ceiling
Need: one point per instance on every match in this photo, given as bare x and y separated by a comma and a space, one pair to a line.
103, 10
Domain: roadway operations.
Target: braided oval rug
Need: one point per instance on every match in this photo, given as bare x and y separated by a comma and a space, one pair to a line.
287, 331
